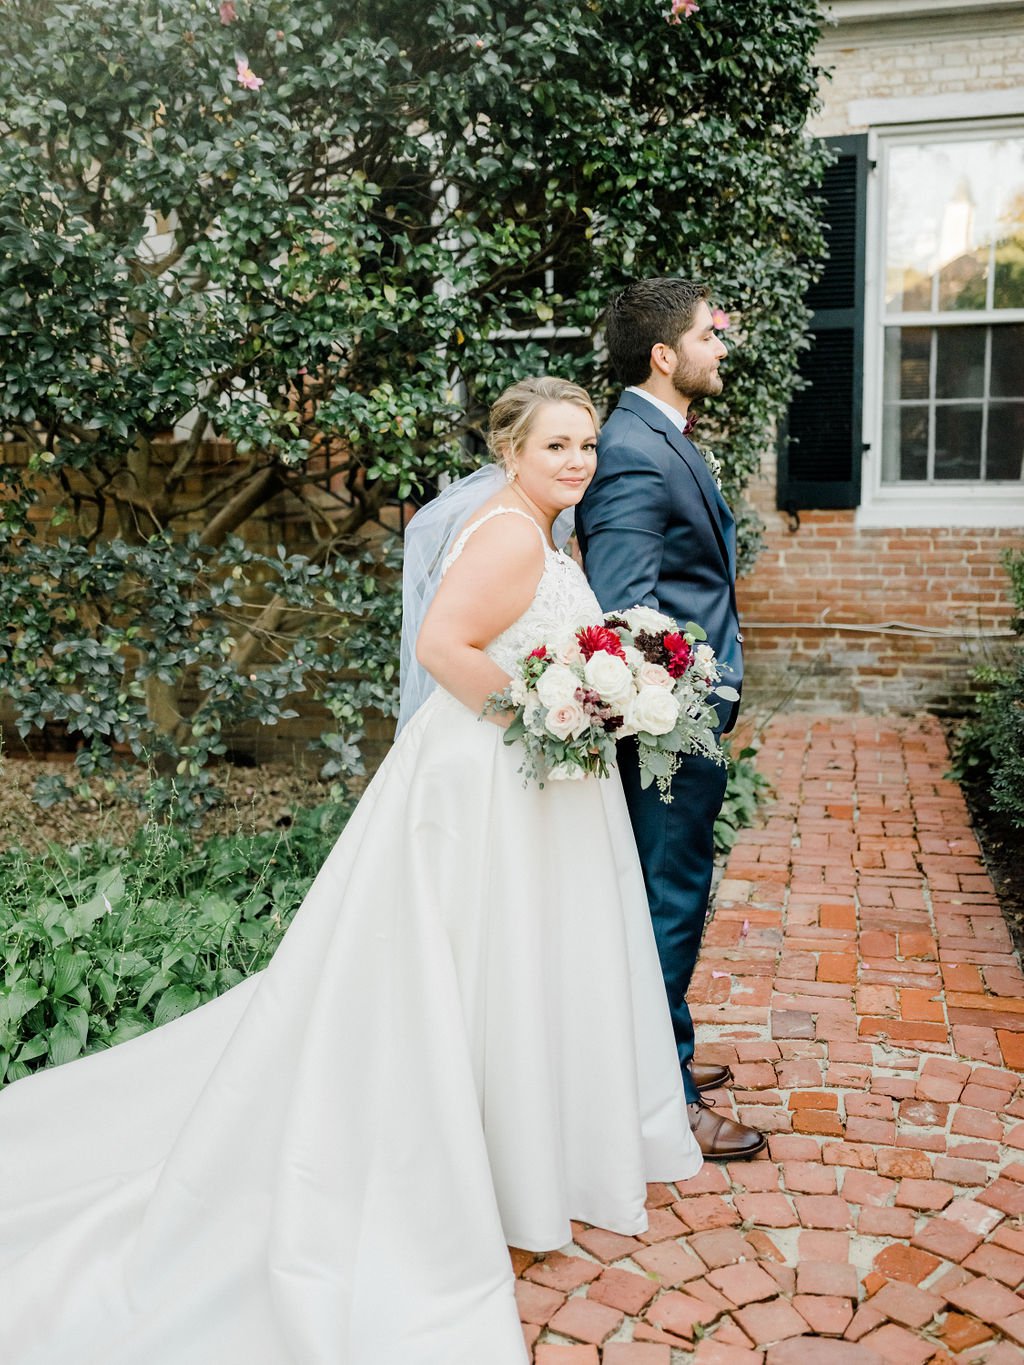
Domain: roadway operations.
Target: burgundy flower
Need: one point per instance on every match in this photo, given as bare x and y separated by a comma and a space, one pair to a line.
541, 652
595, 639
679, 654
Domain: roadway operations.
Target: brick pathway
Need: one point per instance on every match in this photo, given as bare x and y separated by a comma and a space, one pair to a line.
859, 977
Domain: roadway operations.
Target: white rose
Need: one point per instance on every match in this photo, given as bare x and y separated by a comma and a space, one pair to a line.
557, 685
608, 675
655, 711
567, 719
653, 675
646, 618
566, 772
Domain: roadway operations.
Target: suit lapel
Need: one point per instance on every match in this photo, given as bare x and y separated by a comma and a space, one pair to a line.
722, 521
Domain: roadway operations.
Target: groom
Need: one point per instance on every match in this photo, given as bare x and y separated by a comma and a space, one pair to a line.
655, 531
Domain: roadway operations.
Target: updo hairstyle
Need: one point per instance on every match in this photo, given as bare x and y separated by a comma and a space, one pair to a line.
512, 414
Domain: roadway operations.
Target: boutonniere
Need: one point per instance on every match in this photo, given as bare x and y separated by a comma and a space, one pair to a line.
714, 465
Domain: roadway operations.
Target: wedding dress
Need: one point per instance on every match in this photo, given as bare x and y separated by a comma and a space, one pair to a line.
462, 1041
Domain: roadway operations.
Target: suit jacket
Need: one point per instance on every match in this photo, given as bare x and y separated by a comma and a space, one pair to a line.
655, 531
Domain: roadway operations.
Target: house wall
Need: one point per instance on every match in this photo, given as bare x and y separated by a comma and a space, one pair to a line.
818, 609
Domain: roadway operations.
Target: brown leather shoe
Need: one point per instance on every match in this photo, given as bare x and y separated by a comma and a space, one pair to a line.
707, 1076
722, 1139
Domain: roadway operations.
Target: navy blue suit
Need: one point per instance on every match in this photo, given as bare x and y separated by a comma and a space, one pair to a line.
655, 531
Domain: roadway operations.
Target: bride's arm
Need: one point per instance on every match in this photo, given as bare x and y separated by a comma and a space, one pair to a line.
487, 588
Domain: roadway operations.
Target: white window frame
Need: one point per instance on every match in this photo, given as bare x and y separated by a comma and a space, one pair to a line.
967, 503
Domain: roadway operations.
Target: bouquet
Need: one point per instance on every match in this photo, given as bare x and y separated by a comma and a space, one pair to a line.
633, 673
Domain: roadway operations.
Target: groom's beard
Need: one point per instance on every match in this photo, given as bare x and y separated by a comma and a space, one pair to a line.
693, 382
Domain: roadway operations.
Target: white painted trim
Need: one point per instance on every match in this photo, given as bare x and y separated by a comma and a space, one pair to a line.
914, 509
876, 113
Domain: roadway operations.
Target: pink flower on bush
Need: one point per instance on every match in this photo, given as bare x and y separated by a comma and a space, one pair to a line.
684, 8
247, 77
228, 13
719, 319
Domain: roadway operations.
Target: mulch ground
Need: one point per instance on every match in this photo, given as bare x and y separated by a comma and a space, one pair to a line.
859, 977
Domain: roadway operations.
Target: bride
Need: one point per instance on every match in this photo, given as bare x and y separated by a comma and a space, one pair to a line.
462, 1042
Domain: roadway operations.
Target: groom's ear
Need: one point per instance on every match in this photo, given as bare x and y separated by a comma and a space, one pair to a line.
663, 359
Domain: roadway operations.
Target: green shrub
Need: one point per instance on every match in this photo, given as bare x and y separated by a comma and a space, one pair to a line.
746, 790
100, 943
989, 747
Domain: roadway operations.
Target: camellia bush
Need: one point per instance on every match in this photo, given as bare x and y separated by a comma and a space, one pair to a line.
320, 239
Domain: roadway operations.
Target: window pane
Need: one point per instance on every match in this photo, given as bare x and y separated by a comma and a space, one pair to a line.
907, 358
1005, 441
907, 444
947, 203
960, 362
963, 281
958, 442
1010, 268
1007, 362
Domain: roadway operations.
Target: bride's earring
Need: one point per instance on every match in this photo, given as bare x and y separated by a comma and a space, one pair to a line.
510, 474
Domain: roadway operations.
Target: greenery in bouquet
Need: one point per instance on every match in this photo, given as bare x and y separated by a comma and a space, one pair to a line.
634, 674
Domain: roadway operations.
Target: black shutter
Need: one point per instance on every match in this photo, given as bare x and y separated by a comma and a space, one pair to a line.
820, 442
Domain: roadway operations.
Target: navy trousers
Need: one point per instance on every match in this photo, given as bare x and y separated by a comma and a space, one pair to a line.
676, 845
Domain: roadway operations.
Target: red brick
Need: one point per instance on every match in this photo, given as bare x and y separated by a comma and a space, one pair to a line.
825, 1315
680, 1314
865, 1187
906, 1304
636, 1353
997, 1262
769, 1322
625, 1290
885, 1222
986, 1300
723, 1246
960, 1332
662, 1224
823, 1211
782, 1147
952, 1241
537, 1304
1011, 1045
713, 1352
606, 1246
586, 1320
927, 1195
809, 1177
565, 1273
904, 1162
768, 1210
743, 1283
1005, 1195
897, 1346
906, 1263
826, 1351
983, 1097
547, 1354
697, 1215
833, 1278
671, 1263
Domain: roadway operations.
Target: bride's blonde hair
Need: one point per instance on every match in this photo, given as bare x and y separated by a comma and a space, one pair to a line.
512, 414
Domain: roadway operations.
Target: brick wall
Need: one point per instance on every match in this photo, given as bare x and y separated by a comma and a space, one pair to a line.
859, 583
920, 65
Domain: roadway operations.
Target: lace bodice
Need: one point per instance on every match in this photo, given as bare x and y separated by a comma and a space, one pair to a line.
563, 598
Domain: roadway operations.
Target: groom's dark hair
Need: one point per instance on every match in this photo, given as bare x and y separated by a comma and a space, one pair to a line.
646, 312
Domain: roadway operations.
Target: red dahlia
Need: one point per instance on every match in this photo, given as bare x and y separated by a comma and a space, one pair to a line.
599, 639
679, 654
